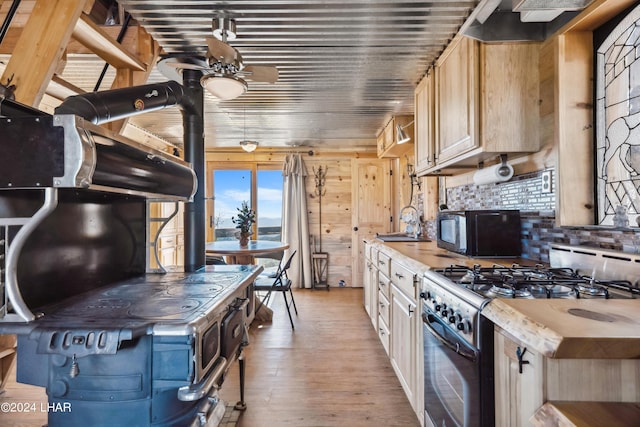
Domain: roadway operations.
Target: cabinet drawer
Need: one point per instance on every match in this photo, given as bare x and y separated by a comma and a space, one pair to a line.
167, 241
404, 279
384, 263
383, 307
383, 333
384, 286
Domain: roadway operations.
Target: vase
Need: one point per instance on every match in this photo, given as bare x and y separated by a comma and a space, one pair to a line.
244, 240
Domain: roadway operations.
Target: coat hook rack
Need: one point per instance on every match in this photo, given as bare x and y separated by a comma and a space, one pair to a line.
320, 259
320, 176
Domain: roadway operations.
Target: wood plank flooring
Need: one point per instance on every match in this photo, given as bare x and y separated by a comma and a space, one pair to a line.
331, 371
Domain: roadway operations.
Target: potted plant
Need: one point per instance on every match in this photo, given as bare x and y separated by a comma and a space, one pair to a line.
244, 221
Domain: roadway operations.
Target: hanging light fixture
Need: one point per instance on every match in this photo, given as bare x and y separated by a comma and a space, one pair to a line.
401, 135
247, 145
222, 81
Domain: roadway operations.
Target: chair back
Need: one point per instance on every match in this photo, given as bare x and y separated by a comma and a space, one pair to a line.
282, 278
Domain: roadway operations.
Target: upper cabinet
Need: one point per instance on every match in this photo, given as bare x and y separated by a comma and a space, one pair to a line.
424, 123
387, 146
480, 101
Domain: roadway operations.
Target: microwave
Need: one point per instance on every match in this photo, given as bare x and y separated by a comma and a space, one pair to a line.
480, 233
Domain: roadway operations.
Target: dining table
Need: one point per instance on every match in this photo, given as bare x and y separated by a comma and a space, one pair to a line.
236, 254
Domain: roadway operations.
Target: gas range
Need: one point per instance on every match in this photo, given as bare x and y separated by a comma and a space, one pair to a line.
458, 294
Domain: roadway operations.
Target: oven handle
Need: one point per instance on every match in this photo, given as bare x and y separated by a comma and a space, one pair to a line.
195, 392
428, 319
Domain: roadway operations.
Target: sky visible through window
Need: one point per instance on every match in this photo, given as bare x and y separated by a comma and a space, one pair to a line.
232, 187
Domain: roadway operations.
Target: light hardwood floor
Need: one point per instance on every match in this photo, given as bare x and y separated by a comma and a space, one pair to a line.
331, 371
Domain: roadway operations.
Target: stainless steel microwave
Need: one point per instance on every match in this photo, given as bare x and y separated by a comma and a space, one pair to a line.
480, 233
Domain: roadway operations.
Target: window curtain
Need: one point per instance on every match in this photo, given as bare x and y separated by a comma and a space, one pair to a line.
295, 224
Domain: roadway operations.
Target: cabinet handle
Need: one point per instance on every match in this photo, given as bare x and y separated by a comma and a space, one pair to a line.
381, 331
399, 276
410, 310
520, 354
382, 304
382, 263
381, 283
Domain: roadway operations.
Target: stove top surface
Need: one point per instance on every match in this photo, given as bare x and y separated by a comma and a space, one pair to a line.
167, 298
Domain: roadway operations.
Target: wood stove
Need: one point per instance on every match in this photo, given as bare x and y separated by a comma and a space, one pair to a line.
110, 338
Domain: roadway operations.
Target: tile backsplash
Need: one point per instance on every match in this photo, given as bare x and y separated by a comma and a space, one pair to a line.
526, 193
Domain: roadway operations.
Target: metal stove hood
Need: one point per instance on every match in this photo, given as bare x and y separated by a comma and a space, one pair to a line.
520, 20
68, 151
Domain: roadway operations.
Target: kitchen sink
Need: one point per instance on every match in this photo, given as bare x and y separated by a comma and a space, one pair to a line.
400, 238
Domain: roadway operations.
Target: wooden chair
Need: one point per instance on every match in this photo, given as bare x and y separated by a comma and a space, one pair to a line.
281, 283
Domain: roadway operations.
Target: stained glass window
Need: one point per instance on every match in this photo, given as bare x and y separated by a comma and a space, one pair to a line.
618, 121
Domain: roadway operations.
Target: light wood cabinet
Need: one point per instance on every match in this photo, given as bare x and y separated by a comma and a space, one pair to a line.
386, 140
521, 389
424, 123
391, 294
457, 99
518, 385
170, 242
404, 341
486, 103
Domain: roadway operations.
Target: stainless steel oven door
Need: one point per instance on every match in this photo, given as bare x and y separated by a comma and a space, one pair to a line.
451, 375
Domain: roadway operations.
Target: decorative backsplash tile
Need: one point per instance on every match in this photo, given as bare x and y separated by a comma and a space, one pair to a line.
525, 192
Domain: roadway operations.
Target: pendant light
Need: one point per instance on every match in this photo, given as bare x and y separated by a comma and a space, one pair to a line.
247, 145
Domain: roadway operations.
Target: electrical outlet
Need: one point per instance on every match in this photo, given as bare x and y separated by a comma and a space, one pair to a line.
547, 182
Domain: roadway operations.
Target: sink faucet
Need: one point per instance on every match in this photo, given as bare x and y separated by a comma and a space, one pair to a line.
411, 220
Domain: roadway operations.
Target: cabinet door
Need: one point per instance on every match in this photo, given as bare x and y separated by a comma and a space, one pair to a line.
366, 284
424, 123
456, 99
403, 342
518, 394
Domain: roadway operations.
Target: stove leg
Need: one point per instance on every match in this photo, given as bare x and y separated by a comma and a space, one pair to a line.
241, 405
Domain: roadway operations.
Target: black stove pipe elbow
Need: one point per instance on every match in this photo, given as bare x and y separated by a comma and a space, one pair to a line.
109, 105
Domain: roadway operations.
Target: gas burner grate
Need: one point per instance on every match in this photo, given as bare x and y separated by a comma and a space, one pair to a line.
537, 281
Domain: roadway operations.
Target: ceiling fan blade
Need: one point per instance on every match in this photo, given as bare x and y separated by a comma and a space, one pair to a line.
261, 73
221, 51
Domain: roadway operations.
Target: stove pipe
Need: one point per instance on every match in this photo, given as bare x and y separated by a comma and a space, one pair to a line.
105, 106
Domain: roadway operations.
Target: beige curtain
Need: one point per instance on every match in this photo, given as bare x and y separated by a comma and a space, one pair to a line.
295, 224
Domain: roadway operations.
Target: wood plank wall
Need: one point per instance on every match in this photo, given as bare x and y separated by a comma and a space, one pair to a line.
336, 227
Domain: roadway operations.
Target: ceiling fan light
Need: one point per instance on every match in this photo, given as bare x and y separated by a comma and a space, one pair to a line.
249, 146
223, 87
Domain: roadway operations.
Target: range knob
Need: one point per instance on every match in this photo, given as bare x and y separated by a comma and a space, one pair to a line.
437, 307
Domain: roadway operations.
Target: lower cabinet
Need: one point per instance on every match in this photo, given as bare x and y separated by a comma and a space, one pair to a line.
391, 297
518, 382
403, 342
525, 380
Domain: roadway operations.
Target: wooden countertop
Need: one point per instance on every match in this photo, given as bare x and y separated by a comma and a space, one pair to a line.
572, 328
584, 414
559, 328
431, 256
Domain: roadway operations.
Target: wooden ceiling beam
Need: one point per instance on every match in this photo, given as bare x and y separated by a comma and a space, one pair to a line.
102, 44
61, 89
40, 47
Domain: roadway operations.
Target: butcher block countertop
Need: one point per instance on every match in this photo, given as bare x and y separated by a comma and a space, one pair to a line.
572, 328
574, 414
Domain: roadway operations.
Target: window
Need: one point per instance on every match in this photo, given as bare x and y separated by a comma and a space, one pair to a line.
617, 121
232, 184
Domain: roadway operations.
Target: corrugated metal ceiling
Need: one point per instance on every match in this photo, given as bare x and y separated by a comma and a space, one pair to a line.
345, 67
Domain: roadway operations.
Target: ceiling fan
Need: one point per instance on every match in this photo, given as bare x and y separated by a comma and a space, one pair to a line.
224, 73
